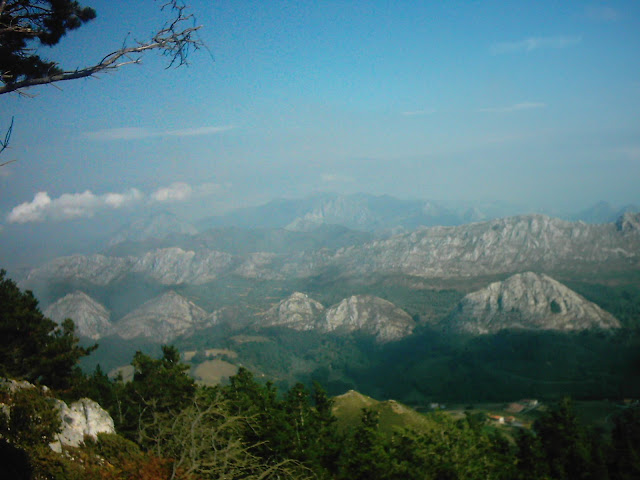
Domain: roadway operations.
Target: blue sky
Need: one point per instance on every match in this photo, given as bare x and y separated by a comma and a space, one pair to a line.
534, 103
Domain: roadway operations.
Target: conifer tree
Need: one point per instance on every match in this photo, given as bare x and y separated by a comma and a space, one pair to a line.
34, 347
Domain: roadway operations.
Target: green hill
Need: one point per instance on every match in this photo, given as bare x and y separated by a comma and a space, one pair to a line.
392, 415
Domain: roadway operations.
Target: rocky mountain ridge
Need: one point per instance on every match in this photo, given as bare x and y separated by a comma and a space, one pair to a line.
367, 314
371, 213
531, 242
528, 301
515, 244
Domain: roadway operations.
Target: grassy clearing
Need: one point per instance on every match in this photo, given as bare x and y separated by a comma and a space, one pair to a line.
214, 372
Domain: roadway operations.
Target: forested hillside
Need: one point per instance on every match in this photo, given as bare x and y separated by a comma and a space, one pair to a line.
168, 427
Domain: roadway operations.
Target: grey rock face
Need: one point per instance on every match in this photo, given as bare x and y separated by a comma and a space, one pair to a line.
163, 319
168, 266
528, 301
174, 266
97, 269
516, 244
299, 312
499, 246
84, 418
362, 313
90, 317
371, 315
629, 222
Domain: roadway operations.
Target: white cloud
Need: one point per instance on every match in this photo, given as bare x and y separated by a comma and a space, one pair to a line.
514, 108
70, 205
173, 193
418, 113
134, 133
87, 204
30, 211
534, 43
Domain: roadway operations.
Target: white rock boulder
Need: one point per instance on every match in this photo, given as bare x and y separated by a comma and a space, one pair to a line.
82, 419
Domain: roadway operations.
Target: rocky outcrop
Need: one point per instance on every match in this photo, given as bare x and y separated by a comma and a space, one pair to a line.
82, 419
370, 315
164, 318
298, 311
90, 317
629, 223
528, 301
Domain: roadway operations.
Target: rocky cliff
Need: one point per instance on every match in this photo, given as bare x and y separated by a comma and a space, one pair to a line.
90, 317
360, 313
370, 315
528, 301
163, 319
298, 311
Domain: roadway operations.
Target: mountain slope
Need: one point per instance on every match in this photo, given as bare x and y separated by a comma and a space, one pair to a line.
528, 301
392, 415
297, 311
365, 314
369, 315
163, 319
90, 317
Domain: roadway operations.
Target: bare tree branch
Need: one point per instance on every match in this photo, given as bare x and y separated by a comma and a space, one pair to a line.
204, 441
5, 143
175, 40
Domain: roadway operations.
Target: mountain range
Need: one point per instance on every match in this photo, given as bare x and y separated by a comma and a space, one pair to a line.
502, 246
305, 299
525, 301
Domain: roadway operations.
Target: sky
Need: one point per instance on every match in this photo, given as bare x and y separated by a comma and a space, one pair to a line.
534, 103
